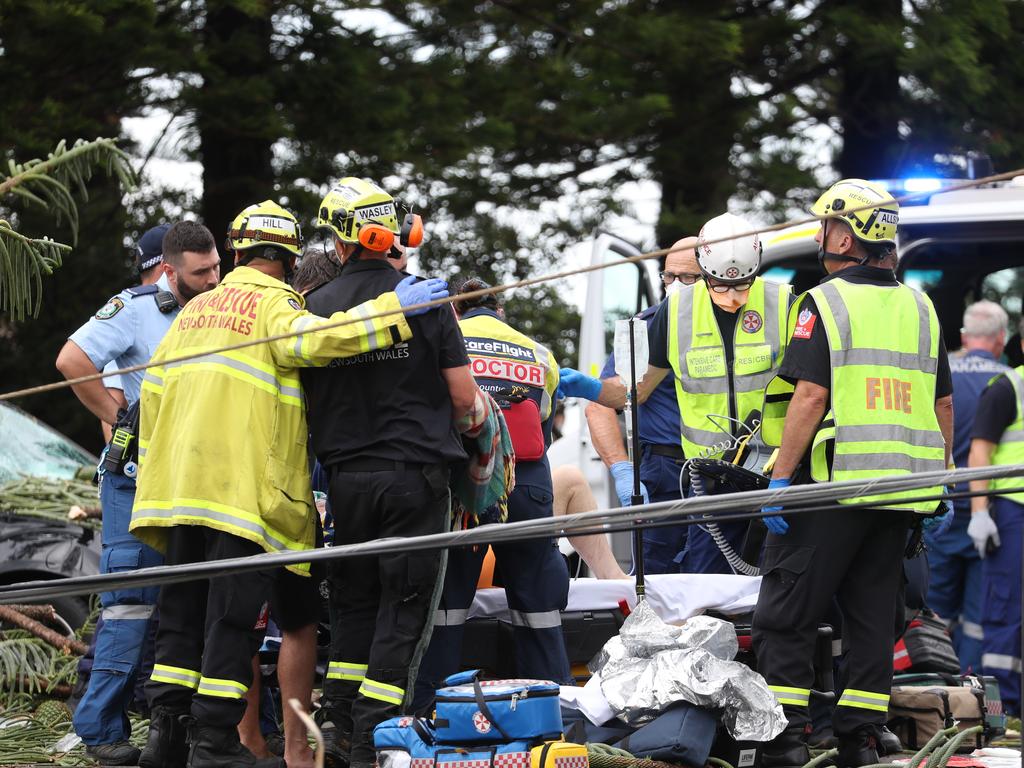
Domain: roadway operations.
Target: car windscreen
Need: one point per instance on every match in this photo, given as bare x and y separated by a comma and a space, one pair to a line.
29, 447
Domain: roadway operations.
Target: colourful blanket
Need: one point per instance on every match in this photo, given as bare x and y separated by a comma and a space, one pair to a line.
481, 488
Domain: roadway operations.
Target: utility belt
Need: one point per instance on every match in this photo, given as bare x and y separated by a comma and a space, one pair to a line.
674, 452
122, 454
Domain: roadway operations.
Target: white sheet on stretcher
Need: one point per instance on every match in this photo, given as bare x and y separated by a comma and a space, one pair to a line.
674, 597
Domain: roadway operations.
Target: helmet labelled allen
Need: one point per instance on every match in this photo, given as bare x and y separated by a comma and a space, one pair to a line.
733, 259
874, 224
358, 211
265, 224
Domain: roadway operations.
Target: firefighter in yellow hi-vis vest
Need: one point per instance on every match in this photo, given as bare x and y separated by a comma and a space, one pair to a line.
873, 398
224, 472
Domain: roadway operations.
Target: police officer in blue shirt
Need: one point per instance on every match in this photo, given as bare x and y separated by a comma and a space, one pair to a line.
955, 590
658, 421
127, 330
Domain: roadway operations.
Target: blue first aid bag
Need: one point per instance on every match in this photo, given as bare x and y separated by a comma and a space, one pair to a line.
683, 733
410, 742
488, 711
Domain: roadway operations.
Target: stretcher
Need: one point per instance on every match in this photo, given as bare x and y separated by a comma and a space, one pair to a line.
675, 597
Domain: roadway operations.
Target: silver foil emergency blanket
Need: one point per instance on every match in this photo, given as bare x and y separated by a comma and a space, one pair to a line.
651, 665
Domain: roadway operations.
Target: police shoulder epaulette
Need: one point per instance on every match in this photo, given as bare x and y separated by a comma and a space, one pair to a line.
647, 312
142, 290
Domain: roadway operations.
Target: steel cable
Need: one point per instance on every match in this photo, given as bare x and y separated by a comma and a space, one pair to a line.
746, 505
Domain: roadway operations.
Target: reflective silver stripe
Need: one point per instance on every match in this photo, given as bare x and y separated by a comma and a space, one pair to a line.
390, 694
127, 612
301, 324
1012, 436
771, 312
851, 462
453, 617
210, 514
973, 631
364, 310
186, 678
341, 670
924, 335
152, 378
142, 451
225, 689
248, 370
903, 360
837, 647
536, 620
752, 382
1000, 661
864, 700
839, 312
709, 385
541, 353
867, 433
701, 436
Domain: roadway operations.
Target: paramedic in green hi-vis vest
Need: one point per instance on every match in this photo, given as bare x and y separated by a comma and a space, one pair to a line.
722, 338
872, 398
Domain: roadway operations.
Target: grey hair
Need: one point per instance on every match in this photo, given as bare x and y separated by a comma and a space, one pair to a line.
986, 319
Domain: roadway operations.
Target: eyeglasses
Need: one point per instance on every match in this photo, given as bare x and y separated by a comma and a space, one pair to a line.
686, 278
725, 287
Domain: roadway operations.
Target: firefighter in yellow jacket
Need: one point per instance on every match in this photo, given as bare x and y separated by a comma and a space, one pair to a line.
224, 473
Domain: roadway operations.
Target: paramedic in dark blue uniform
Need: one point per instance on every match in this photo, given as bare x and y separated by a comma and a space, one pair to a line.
522, 376
955, 590
127, 330
661, 455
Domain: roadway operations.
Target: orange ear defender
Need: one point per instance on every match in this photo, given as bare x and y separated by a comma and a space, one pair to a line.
412, 230
375, 237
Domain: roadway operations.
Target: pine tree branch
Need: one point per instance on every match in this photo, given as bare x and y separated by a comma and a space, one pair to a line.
49, 184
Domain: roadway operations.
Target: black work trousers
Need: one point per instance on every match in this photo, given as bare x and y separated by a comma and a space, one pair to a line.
855, 555
381, 607
205, 639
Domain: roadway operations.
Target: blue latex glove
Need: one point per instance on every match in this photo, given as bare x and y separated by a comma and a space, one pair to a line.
622, 473
776, 523
410, 292
938, 524
572, 383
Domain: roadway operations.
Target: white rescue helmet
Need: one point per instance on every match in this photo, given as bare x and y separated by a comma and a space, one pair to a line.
733, 260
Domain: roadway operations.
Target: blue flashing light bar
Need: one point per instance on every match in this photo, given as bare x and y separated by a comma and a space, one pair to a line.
922, 184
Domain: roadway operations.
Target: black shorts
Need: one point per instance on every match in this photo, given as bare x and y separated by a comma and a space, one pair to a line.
296, 601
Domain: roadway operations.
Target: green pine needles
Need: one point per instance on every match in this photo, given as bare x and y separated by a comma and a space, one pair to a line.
51, 184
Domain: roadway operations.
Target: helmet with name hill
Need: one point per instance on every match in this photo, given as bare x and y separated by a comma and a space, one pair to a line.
263, 225
874, 224
358, 211
733, 259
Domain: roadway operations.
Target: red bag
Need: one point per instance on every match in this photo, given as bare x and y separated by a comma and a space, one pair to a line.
524, 427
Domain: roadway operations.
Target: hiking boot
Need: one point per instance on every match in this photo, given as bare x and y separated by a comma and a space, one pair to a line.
857, 749
167, 742
787, 750
211, 747
117, 753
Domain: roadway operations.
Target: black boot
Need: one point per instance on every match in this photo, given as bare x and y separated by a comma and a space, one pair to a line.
116, 753
857, 748
167, 743
211, 747
787, 750
888, 742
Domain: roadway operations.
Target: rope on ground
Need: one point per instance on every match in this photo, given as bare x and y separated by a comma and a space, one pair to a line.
794, 499
483, 292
